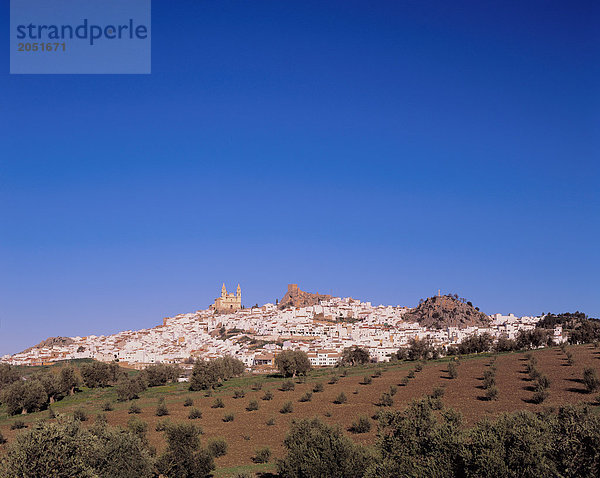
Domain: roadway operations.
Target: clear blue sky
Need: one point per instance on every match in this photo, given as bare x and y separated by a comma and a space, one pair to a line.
379, 150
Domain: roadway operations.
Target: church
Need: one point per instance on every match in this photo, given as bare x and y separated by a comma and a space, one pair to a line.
228, 302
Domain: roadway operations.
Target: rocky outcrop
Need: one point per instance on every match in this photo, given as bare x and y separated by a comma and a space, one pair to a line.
295, 297
51, 342
447, 311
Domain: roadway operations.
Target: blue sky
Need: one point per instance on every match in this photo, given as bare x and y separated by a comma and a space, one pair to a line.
380, 150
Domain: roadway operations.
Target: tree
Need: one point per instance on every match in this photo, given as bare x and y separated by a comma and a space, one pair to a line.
24, 396
590, 379
413, 442
355, 355
316, 450
64, 449
130, 388
292, 362
68, 380
160, 374
184, 457
99, 374
8, 375
203, 376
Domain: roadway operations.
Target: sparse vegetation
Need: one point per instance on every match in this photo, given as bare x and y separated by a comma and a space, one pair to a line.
287, 408
217, 447
362, 425
262, 455
228, 417
218, 403
340, 399
252, 406
268, 395
194, 414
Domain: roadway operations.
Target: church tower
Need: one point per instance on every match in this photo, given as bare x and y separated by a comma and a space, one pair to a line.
228, 302
223, 291
238, 292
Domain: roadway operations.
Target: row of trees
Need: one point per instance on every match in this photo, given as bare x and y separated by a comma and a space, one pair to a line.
419, 441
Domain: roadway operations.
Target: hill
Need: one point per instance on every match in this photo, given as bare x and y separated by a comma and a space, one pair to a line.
447, 311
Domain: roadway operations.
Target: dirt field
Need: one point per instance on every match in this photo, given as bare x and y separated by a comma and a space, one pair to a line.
249, 430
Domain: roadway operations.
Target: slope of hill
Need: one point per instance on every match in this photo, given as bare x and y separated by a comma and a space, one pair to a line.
447, 311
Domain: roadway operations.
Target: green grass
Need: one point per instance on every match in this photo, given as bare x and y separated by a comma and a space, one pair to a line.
252, 469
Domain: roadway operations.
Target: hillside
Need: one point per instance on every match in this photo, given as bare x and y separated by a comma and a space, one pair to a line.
447, 311
51, 342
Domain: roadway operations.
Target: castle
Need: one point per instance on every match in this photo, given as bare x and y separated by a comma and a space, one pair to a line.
228, 302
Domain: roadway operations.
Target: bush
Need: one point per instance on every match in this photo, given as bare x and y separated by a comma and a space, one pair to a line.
239, 393
393, 390
590, 379
161, 409
79, 414
188, 402
228, 417
270, 422
107, 407
218, 403
418, 367
51, 414
367, 380
540, 395
411, 374
287, 386
377, 374
134, 409
333, 379
307, 397
438, 392
162, 425
256, 386
194, 414
489, 381
542, 382
491, 393
184, 457
287, 408
217, 447
452, 370
404, 381
2, 439
385, 400
252, 406
341, 398
362, 425
262, 455
268, 395
101, 419
318, 387
316, 450
18, 425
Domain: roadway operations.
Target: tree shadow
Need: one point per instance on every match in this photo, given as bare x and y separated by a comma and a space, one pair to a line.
529, 388
577, 390
574, 380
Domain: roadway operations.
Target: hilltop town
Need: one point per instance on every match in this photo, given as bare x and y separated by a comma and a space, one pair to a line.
321, 325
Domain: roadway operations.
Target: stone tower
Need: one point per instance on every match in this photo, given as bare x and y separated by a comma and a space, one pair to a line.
228, 303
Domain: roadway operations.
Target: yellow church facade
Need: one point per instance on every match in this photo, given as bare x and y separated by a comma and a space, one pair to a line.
228, 302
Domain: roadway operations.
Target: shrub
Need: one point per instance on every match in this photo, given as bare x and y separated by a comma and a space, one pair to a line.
51, 414
491, 393
287, 408
262, 455
162, 425
419, 367
218, 403
542, 381
217, 447
341, 398
404, 381
256, 386
489, 381
101, 419
271, 422
239, 393
188, 402
540, 395
377, 374
252, 406
590, 379
318, 387
333, 379
79, 414
367, 380
362, 425
355, 391
2, 439
134, 409
268, 395
411, 374
287, 386
307, 397
452, 370
385, 400
18, 425
438, 392
161, 409
194, 414
393, 390
228, 417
